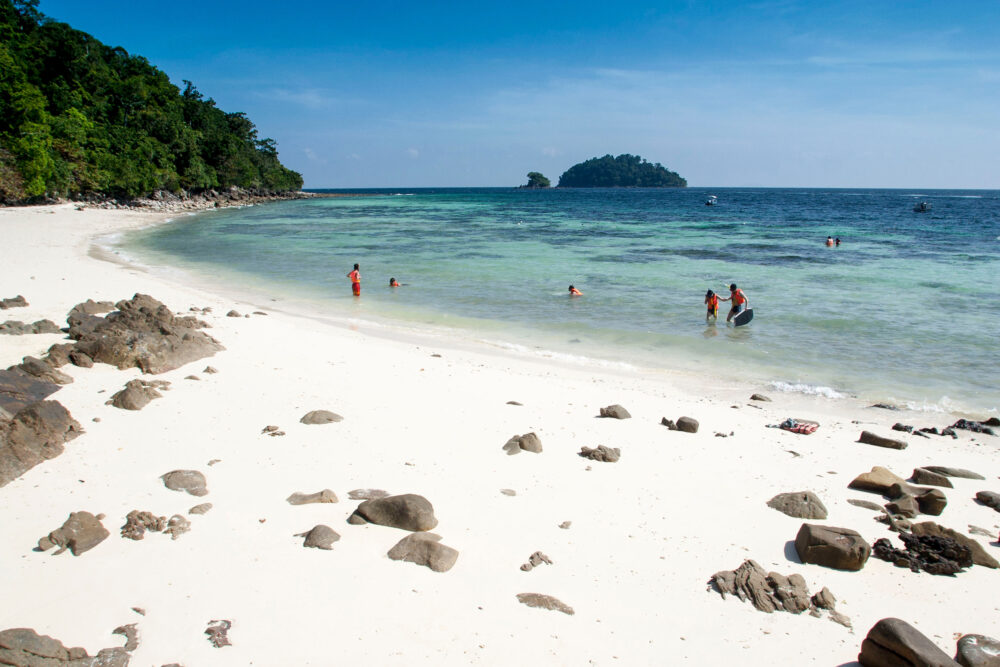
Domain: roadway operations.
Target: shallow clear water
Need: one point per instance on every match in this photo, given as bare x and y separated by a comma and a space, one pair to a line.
904, 310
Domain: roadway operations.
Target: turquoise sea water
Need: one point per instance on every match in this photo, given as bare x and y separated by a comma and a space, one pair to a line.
905, 310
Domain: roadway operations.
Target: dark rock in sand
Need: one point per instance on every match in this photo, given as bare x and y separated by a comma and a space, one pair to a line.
36, 433
320, 537
879, 480
137, 523
367, 494
838, 548
408, 511
13, 302
542, 601
760, 397
144, 333
989, 498
84, 317
904, 505
34, 367
425, 549
867, 504
885, 406
324, 496
78, 358
210, 370
687, 425
930, 553
514, 403
964, 424
931, 478
669, 423
616, 412
200, 509
824, 599
601, 453
135, 396
799, 504
218, 633
320, 417
16, 328
979, 555
528, 442
954, 472
81, 532
57, 355
18, 391
977, 651
992, 421
905, 428
932, 502
869, 438
895, 643
191, 481
233, 313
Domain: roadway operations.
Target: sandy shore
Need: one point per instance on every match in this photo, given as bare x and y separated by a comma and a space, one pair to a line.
428, 418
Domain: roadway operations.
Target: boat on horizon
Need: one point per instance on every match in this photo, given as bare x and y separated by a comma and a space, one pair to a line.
922, 207
712, 200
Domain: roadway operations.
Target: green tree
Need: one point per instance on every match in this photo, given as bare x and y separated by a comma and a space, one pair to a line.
537, 180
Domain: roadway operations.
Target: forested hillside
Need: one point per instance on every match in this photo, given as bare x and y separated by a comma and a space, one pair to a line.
620, 172
79, 118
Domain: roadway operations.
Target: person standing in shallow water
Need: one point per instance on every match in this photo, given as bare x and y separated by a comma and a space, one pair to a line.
355, 277
738, 298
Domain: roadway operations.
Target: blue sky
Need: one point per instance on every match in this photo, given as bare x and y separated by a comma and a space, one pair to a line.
770, 93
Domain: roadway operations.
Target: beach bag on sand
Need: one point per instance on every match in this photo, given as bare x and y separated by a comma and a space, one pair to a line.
803, 426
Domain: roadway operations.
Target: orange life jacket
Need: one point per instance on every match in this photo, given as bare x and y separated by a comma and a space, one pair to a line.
713, 302
738, 298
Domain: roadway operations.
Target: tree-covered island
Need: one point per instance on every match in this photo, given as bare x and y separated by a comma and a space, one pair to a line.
536, 180
624, 171
82, 119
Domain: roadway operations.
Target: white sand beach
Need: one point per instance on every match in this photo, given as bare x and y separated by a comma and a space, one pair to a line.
430, 417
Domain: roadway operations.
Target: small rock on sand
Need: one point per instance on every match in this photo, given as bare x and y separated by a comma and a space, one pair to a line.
542, 601
869, 438
200, 509
894, 642
977, 651
534, 560
407, 511
565, 525
529, 442
989, 498
760, 397
837, 548
367, 494
81, 532
514, 403
320, 417
324, 496
954, 472
508, 492
218, 633
191, 481
615, 412
601, 453
425, 549
320, 537
799, 504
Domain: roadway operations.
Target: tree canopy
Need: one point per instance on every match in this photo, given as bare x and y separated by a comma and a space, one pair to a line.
537, 180
81, 118
622, 171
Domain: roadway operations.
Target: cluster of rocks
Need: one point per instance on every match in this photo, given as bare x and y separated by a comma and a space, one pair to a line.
601, 453
905, 500
934, 554
17, 328
961, 425
893, 642
26, 648
529, 442
164, 200
137, 523
685, 424
534, 560
771, 591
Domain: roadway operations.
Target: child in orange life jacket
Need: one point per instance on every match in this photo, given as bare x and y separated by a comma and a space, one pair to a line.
393, 282
712, 301
738, 298
574, 291
355, 277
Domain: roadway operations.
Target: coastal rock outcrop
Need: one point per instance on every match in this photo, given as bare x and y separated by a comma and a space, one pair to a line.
425, 549
34, 367
529, 442
190, 481
36, 433
929, 553
80, 533
895, 643
141, 333
837, 548
799, 504
407, 511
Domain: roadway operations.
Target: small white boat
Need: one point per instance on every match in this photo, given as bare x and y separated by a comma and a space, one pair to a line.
922, 207
712, 200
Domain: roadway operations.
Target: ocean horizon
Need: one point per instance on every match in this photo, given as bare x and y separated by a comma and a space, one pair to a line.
900, 312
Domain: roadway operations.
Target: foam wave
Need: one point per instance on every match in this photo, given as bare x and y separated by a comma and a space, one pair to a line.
808, 389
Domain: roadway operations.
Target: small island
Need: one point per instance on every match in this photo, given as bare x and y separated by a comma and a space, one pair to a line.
624, 171
536, 181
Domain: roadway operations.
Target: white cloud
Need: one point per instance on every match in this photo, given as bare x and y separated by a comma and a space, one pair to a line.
413, 152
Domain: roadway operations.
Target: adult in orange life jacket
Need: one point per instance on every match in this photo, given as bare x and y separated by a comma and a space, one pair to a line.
574, 291
355, 277
738, 298
712, 301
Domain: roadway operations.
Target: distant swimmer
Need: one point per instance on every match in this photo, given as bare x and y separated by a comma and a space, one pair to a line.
712, 301
829, 241
355, 277
574, 291
738, 298
393, 283
837, 242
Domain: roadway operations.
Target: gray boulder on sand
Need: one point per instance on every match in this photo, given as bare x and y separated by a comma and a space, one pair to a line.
799, 504
616, 412
954, 472
425, 549
687, 425
869, 438
895, 643
142, 333
324, 496
26, 648
81, 532
879, 480
977, 651
408, 511
760, 397
135, 396
36, 433
16, 328
837, 548
34, 367
191, 481
989, 498
78, 358
931, 478
601, 453
320, 417
320, 537
528, 442
58, 354
13, 302
542, 601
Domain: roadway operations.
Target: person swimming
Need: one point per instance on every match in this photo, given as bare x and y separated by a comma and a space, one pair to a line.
712, 301
829, 240
574, 291
393, 283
